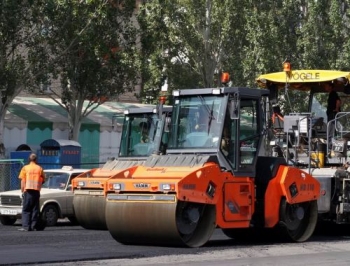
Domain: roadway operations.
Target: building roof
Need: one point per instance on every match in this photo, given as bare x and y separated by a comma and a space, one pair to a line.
45, 112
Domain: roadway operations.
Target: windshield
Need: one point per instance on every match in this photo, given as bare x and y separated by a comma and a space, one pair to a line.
56, 180
196, 122
138, 135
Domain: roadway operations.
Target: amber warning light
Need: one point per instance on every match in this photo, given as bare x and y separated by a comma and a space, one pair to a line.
162, 99
286, 66
225, 77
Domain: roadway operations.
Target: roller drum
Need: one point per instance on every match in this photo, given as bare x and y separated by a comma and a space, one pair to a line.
160, 223
90, 211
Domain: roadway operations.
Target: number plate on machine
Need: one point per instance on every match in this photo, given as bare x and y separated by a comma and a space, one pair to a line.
8, 212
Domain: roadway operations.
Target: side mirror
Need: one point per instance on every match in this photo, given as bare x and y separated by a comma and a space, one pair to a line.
234, 106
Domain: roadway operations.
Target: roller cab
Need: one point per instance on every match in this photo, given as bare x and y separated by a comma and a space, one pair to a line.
142, 135
215, 173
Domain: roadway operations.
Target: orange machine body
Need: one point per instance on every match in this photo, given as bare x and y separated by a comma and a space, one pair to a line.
216, 175
94, 179
234, 197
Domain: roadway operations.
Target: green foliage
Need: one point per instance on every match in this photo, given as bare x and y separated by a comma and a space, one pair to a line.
96, 49
189, 42
90, 48
15, 34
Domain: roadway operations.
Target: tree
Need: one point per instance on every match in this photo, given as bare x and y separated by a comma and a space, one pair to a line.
18, 34
189, 42
271, 38
92, 48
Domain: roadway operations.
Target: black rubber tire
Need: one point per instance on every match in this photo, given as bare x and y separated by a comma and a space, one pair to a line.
298, 230
8, 220
50, 215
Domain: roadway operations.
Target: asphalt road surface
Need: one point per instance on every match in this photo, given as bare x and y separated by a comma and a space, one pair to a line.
72, 245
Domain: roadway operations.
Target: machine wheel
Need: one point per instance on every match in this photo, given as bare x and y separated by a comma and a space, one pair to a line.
299, 220
177, 224
195, 222
90, 211
50, 215
8, 220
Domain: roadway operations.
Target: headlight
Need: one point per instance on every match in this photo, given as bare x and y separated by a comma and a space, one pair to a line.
117, 186
167, 186
81, 184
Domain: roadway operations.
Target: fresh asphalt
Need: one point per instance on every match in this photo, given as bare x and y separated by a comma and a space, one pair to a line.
70, 245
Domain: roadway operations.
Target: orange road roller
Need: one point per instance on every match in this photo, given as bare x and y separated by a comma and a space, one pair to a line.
142, 135
216, 173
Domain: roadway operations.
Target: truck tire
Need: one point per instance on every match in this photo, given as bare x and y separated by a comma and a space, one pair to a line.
50, 215
8, 220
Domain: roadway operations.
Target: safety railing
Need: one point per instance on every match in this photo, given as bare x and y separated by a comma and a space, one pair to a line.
338, 133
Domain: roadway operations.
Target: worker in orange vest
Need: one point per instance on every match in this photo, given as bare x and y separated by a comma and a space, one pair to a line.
32, 177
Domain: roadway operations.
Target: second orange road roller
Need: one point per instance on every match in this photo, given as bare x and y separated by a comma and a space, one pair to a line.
142, 135
216, 173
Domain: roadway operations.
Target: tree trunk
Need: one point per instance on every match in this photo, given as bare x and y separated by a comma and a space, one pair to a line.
75, 117
76, 130
2, 129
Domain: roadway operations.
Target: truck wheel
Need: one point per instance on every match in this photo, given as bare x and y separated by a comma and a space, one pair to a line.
50, 215
8, 220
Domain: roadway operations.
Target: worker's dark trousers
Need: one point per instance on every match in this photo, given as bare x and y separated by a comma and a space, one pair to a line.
30, 210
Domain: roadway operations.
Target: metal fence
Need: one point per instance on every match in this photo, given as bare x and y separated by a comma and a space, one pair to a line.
9, 171
10, 168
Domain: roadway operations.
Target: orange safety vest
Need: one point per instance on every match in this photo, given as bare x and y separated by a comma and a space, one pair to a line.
33, 176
